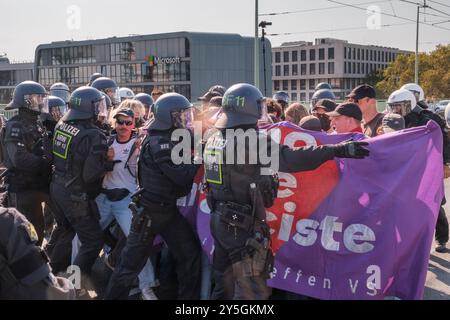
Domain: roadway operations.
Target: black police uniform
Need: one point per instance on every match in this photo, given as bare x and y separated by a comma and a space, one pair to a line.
80, 159
419, 117
239, 192
238, 212
162, 183
24, 269
28, 158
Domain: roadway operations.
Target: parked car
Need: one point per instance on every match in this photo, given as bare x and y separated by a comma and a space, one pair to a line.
440, 106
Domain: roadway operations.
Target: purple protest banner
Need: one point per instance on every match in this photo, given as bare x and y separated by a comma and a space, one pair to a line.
351, 229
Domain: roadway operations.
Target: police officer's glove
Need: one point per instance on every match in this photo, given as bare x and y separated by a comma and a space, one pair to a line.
351, 149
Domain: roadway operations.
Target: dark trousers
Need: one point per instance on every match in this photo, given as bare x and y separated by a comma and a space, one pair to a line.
29, 203
230, 247
181, 241
442, 227
74, 217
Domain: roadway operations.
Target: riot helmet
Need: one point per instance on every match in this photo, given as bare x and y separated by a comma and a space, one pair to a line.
242, 104
60, 90
125, 93
282, 98
94, 77
86, 103
416, 90
171, 110
401, 101
57, 107
323, 85
321, 94
109, 87
147, 101
447, 115
29, 95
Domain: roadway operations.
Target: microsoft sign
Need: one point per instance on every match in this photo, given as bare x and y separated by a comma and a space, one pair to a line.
152, 60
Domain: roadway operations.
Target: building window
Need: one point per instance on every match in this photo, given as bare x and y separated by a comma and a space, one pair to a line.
330, 53
331, 67
312, 84
354, 53
321, 68
312, 54
345, 67
294, 56
362, 68
277, 57
359, 68
359, 54
277, 71
302, 84
312, 68
303, 69
345, 52
362, 54
286, 70
285, 85
354, 67
294, 96
286, 56
302, 96
322, 54
293, 85
276, 85
295, 69
303, 55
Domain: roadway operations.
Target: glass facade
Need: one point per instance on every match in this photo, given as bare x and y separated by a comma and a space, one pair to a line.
133, 64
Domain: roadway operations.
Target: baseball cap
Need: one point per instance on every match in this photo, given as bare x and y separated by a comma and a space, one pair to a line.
127, 112
392, 122
362, 91
348, 109
327, 104
214, 91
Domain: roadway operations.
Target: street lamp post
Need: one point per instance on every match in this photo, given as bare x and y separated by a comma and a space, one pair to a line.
264, 24
256, 56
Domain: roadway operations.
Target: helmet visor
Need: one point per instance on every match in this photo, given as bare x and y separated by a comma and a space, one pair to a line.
100, 108
63, 94
115, 96
401, 108
58, 112
37, 102
183, 119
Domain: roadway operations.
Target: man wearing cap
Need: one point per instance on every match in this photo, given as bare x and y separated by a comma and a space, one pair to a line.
365, 97
320, 109
119, 184
391, 122
214, 91
346, 118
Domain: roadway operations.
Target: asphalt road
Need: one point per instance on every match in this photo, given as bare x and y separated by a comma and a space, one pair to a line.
437, 286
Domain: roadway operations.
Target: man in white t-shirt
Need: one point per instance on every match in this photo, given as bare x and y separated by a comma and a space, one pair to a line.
119, 184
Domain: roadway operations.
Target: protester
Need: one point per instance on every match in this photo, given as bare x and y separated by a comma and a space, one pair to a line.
295, 112
274, 110
346, 118
310, 123
365, 97
320, 110
391, 122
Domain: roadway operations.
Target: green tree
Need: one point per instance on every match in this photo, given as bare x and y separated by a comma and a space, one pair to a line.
434, 73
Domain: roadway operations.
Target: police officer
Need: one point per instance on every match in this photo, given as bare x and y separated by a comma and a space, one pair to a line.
60, 90
161, 182
57, 108
282, 98
108, 86
81, 156
26, 149
238, 193
404, 103
24, 269
94, 77
147, 101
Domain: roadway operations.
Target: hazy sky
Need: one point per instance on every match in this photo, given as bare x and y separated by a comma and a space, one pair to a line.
26, 23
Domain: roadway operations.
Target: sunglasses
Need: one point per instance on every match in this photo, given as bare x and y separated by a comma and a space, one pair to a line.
124, 122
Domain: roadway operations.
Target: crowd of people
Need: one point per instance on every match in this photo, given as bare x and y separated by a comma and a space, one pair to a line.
90, 183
